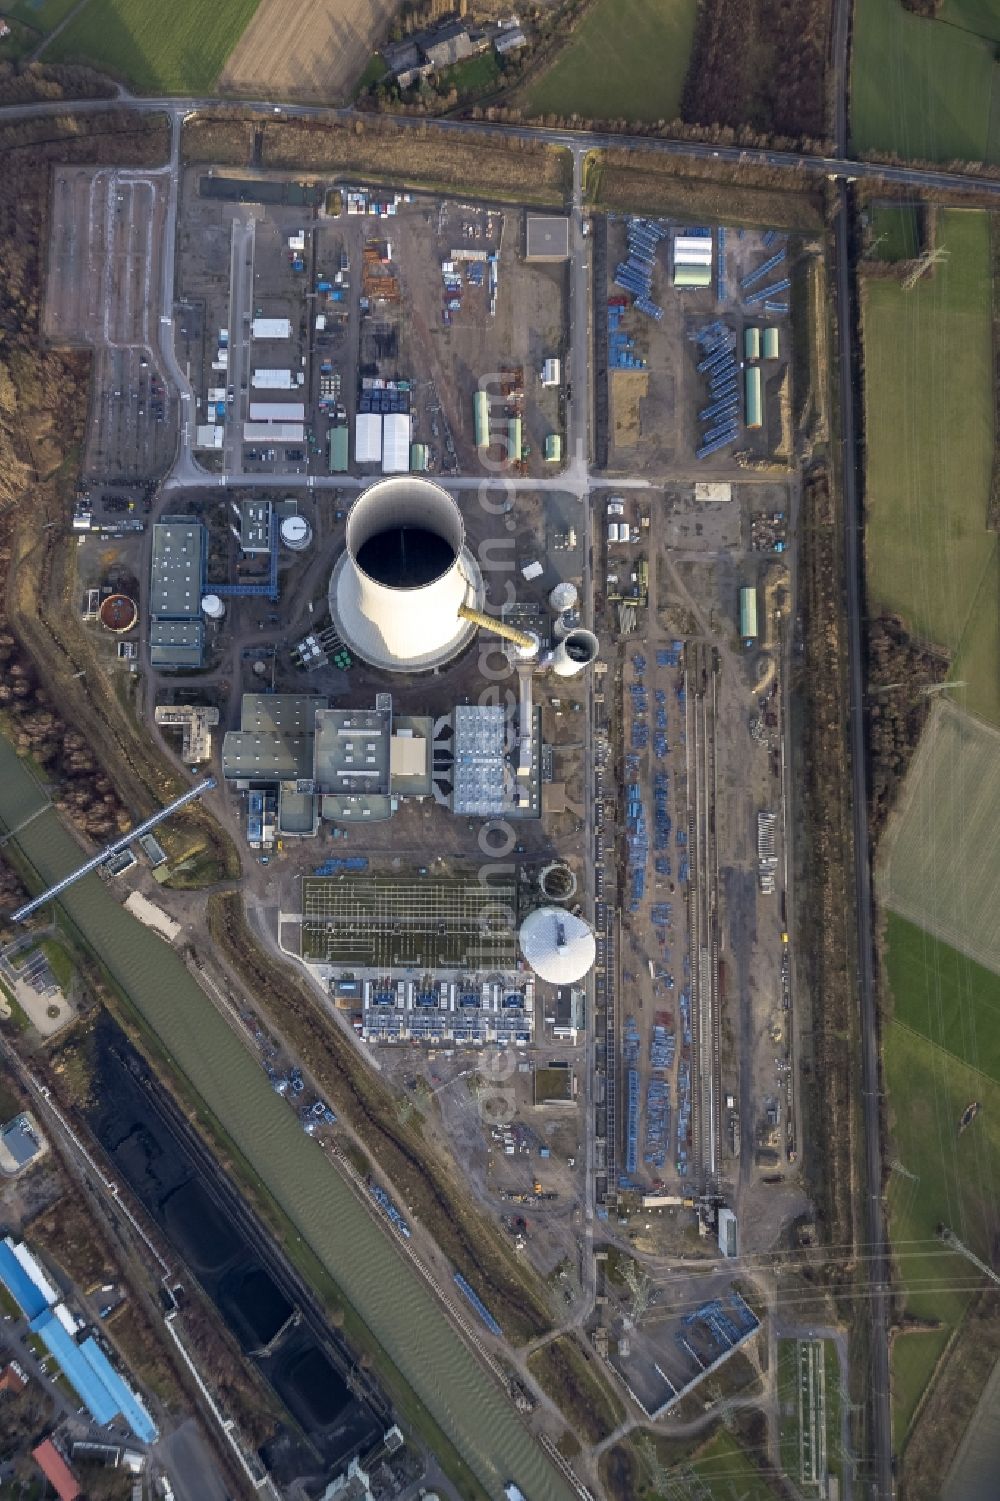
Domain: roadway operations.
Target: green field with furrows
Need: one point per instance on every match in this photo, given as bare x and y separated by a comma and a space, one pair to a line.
929, 438
177, 48
625, 60
927, 89
944, 996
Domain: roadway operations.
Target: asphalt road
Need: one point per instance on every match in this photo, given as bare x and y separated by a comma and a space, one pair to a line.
793, 162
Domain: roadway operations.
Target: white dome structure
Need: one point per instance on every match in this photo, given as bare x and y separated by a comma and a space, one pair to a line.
296, 533
396, 592
212, 607
563, 597
559, 946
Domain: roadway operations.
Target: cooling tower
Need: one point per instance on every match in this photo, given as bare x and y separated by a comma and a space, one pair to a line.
574, 652
396, 591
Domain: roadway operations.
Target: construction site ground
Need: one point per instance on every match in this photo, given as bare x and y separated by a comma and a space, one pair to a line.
451, 360
653, 411
722, 764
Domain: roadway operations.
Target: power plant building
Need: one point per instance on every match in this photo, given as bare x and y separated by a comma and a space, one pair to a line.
177, 570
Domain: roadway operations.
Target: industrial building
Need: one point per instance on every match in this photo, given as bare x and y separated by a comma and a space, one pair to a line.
274, 432
56, 1471
547, 237
693, 260
337, 450
299, 761
196, 722
176, 629
84, 1364
256, 522
277, 411
748, 613
754, 398
751, 342
21, 1144
481, 418
271, 328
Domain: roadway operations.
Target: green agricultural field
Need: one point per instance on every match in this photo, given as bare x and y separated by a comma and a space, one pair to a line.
944, 996
939, 1176
927, 89
728, 1473
626, 60
172, 49
895, 233
929, 427
42, 15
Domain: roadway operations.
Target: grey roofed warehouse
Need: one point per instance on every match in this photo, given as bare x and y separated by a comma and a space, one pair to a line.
547, 237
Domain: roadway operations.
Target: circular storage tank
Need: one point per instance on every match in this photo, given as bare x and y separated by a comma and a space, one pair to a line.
559, 946
396, 591
563, 597
557, 882
118, 613
296, 533
212, 607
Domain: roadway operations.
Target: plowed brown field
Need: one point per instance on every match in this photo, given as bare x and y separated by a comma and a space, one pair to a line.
305, 49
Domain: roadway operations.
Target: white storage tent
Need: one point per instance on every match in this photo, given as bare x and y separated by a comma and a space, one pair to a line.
395, 443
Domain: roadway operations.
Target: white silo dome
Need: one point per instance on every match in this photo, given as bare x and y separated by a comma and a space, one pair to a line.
559, 946
212, 607
563, 597
296, 533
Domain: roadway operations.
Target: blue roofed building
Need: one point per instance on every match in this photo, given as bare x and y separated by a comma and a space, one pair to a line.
75, 1366
127, 1402
30, 1298
86, 1367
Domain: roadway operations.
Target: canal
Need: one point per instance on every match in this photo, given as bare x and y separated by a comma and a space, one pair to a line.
371, 1269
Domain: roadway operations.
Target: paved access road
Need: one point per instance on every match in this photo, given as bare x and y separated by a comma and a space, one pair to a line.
794, 162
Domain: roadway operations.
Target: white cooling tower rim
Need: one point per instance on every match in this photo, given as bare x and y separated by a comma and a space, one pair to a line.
415, 629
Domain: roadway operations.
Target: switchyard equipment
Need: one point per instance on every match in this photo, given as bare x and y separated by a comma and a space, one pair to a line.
112, 849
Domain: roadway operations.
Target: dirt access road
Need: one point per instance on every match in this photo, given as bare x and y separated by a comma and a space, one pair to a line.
306, 49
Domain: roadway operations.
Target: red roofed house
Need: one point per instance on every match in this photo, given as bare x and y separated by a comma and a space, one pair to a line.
56, 1471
